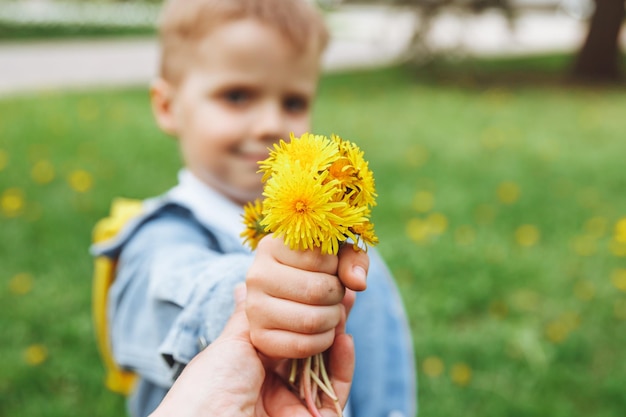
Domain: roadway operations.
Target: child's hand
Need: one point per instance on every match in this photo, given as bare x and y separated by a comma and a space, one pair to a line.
294, 300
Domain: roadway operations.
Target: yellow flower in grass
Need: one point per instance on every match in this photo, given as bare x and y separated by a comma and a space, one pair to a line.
21, 283
35, 354
618, 278
423, 201
42, 172
433, 366
80, 180
12, 202
508, 192
527, 235
307, 151
252, 216
620, 231
461, 374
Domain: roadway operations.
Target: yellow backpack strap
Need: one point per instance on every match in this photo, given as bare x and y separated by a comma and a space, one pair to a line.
122, 210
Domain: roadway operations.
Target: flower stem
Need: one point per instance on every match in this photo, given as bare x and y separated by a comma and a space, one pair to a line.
308, 398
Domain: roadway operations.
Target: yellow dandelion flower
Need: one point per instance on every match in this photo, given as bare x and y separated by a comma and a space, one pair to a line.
365, 234
620, 231
342, 170
596, 226
508, 192
307, 151
345, 218
252, 216
356, 179
298, 207
618, 278
418, 230
556, 331
80, 180
21, 283
527, 235
318, 192
560, 328
423, 201
461, 374
437, 223
433, 366
35, 354
617, 248
12, 202
42, 172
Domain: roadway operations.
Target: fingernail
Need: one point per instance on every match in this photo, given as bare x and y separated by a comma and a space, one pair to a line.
360, 273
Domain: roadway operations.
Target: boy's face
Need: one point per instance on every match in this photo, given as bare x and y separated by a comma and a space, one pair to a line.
247, 89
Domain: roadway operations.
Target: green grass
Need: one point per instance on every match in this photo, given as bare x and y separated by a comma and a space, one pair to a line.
10, 31
500, 329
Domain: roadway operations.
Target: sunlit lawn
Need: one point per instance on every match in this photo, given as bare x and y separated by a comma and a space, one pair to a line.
499, 213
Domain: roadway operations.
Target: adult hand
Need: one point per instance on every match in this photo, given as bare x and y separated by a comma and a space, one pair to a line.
229, 378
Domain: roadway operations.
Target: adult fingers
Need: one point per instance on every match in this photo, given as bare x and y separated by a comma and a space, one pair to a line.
341, 371
238, 325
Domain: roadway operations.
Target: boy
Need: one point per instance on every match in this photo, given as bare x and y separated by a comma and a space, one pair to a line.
235, 77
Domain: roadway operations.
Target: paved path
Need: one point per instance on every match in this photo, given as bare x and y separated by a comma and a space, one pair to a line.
361, 38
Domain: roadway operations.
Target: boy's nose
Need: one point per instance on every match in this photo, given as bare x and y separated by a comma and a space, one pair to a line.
270, 122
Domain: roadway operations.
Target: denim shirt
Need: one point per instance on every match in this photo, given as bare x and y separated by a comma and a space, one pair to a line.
173, 293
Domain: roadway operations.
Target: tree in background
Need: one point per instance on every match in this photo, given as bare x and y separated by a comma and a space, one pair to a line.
599, 57
597, 60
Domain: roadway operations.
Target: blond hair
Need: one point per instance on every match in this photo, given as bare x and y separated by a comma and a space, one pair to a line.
185, 23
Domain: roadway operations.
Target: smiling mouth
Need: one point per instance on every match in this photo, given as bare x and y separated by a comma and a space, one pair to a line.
253, 158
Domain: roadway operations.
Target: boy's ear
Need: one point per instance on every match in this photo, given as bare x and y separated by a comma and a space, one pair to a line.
162, 100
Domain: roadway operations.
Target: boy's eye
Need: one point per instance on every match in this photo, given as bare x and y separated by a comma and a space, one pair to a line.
296, 104
237, 96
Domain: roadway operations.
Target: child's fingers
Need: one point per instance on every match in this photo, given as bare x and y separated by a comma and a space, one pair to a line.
353, 267
280, 281
274, 313
280, 344
308, 260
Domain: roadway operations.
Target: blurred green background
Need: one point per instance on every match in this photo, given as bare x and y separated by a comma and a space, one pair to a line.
502, 213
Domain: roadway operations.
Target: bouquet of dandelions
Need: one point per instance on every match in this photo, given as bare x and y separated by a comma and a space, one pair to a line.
318, 194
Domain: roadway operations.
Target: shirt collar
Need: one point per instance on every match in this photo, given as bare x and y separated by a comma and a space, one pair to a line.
209, 207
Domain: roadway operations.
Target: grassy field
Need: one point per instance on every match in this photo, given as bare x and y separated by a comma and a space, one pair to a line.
499, 213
